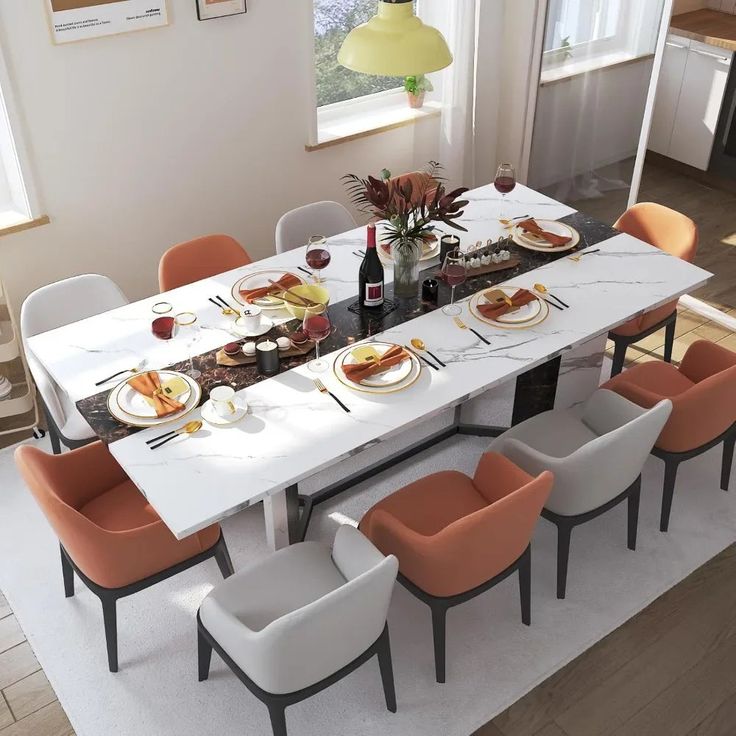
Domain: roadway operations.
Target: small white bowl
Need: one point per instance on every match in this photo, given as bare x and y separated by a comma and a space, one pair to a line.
249, 349
284, 343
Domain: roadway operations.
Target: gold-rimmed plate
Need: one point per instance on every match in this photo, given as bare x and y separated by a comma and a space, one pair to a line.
520, 315
134, 404
533, 242
260, 280
477, 299
409, 380
122, 416
392, 377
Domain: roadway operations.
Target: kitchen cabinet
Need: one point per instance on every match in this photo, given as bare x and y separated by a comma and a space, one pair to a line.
689, 100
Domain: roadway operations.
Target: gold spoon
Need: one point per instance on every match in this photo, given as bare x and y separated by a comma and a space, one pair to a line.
542, 289
419, 345
189, 429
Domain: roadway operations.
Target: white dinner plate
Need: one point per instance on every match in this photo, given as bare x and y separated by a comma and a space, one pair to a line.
521, 315
151, 420
260, 280
532, 242
477, 299
412, 374
393, 376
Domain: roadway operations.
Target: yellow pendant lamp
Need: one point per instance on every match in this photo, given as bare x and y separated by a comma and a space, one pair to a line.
395, 43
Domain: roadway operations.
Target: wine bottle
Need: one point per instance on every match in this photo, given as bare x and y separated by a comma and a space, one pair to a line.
371, 274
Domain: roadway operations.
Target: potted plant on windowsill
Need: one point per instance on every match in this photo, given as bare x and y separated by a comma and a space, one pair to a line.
410, 211
416, 88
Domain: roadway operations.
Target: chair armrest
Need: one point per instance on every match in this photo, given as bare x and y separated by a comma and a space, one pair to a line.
353, 553
607, 410
704, 359
638, 395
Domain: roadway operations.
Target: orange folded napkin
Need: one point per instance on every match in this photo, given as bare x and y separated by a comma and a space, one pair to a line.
149, 384
532, 226
498, 309
360, 371
287, 281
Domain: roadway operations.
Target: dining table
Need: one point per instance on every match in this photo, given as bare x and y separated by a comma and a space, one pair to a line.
292, 430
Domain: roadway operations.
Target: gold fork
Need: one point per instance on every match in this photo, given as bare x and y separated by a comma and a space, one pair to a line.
577, 259
324, 390
463, 326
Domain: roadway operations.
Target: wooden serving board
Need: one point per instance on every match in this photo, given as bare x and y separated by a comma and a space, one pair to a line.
232, 361
493, 267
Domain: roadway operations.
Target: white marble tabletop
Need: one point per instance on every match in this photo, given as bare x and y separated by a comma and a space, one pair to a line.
292, 431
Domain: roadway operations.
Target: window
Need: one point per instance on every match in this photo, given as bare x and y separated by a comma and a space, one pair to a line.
15, 206
333, 20
583, 35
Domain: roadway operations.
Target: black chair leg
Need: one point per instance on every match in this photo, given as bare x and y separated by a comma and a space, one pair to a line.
67, 572
55, 441
728, 448
278, 719
525, 587
387, 670
619, 356
222, 556
669, 339
564, 533
633, 515
668, 492
110, 615
439, 619
204, 655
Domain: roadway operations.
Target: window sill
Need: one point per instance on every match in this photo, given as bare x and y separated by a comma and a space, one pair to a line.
11, 222
354, 122
574, 69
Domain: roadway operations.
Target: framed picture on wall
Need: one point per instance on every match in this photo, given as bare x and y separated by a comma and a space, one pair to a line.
77, 20
209, 9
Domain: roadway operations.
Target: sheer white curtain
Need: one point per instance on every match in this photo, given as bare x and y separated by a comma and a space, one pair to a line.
457, 19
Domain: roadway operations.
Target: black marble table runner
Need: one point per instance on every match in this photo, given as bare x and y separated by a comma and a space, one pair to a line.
347, 327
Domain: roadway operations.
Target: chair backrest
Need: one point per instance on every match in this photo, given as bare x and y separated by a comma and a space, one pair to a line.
605, 467
331, 632
662, 227
295, 228
199, 259
60, 304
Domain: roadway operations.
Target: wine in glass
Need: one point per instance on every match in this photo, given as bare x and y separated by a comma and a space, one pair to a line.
318, 255
188, 322
455, 274
317, 327
505, 183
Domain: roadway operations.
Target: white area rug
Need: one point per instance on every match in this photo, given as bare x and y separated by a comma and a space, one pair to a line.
492, 658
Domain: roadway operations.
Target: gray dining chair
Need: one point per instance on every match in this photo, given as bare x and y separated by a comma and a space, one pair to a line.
301, 619
295, 228
596, 452
47, 308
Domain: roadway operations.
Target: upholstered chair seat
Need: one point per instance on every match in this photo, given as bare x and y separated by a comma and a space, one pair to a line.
294, 623
596, 452
295, 228
109, 534
703, 395
199, 259
456, 536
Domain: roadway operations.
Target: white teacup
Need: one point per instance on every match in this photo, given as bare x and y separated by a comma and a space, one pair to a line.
223, 401
251, 318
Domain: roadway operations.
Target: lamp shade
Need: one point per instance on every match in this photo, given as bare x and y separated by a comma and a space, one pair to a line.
395, 43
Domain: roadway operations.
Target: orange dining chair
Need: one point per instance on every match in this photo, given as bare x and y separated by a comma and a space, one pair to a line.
200, 259
674, 233
108, 533
703, 395
455, 536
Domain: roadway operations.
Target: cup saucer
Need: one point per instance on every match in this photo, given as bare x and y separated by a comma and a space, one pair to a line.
212, 417
264, 326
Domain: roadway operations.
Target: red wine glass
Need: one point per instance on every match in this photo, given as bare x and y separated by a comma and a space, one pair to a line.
505, 183
455, 274
317, 327
318, 255
163, 328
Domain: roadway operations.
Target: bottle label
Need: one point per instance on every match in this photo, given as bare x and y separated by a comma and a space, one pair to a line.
373, 295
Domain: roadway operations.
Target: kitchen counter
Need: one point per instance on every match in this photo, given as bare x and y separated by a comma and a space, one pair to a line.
709, 26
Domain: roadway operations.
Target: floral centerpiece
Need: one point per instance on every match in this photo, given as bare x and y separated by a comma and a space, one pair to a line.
410, 204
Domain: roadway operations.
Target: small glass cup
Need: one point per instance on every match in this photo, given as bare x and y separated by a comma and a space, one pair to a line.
162, 308
188, 321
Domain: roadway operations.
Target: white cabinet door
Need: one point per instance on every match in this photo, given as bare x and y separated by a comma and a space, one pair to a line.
668, 93
701, 99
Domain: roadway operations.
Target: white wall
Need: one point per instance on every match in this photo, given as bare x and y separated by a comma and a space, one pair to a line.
147, 139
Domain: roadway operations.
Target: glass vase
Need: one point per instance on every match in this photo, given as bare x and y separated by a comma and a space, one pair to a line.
406, 255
